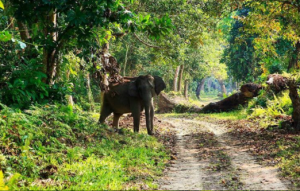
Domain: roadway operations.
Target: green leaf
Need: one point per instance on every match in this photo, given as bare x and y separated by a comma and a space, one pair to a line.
1, 5
5, 36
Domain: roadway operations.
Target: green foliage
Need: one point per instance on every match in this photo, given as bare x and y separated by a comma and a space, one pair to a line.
270, 109
157, 28
24, 85
260, 100
33, 42
5, 36
69, 149
240, 55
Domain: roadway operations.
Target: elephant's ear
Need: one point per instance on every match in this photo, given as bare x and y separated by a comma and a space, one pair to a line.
159, 84
132, 90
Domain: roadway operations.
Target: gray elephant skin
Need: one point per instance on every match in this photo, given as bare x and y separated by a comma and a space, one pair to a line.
132, 97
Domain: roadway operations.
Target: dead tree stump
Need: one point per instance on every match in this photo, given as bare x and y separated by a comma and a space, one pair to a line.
277, 82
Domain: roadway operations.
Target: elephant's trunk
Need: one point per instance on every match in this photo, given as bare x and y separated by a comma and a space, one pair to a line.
149, 112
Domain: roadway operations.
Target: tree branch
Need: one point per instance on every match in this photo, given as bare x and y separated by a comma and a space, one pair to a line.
145, 43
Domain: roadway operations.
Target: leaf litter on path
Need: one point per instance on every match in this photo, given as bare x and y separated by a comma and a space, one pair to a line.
209, 157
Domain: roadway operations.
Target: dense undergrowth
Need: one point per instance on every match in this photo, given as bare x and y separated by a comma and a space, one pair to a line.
270, 109
56, 147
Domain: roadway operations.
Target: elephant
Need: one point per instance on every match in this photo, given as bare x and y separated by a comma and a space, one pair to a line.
132, 97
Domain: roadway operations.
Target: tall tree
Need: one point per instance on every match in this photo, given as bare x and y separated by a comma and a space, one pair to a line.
60, 26
239, 56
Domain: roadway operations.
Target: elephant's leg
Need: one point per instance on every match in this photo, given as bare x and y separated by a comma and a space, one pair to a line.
136, 113
136, 122
149, 113
116, 120
105, 112
151, 119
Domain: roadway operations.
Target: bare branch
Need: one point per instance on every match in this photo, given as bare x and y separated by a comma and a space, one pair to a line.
145, 43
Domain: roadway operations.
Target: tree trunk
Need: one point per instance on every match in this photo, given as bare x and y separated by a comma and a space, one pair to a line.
180, 77
175, 81
50, 54
209, 84
104, 80
277, 83
105, 50
24, 33
198, 89
223, 88
125, 61
11, 22
186, 89
202, 85
296, 104
69, 97
247, 92
89, 92
49, 61
293, 64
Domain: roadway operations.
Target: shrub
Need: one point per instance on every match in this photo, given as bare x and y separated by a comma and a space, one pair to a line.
275, 107
69, 149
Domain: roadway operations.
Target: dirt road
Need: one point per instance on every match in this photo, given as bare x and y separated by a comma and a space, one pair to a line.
209, 158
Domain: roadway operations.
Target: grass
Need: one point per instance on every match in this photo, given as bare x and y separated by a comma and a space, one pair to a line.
231, 115
55, 147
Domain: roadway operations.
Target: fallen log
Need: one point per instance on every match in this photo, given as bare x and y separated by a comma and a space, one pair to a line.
247, 92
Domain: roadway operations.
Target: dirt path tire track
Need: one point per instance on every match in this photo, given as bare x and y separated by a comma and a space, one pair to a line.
187, 164
190, 172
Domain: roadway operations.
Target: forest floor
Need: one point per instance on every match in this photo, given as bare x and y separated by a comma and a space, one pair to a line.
218, 153
208, 157
225, 151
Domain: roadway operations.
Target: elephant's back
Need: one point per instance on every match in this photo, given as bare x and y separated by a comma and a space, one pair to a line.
118, 98
119, 89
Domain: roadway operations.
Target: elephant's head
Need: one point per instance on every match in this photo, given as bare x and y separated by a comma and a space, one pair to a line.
146, 86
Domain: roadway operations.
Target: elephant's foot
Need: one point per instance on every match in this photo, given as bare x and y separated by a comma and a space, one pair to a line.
150, 133
136, 130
